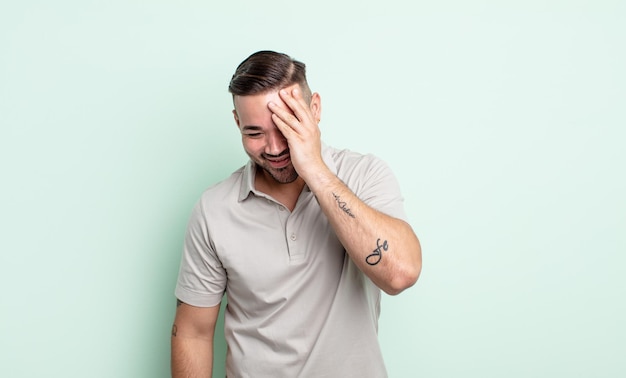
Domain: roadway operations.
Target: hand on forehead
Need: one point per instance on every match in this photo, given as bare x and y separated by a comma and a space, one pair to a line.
275, 97
254, 109
289, 91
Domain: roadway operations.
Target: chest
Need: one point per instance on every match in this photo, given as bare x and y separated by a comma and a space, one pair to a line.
267, 250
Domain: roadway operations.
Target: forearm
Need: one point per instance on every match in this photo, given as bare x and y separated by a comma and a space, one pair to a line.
384, 248
191, 357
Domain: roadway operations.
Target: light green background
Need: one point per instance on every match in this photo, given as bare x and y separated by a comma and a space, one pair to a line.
504, 122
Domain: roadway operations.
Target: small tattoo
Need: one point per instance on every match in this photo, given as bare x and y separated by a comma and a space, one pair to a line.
343, 205
178, 302
377, 254
174, 330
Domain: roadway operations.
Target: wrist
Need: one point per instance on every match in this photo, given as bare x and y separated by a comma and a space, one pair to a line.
319, 178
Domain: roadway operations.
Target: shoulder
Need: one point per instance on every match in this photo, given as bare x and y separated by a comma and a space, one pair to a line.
223, 192
351, 165
370, 179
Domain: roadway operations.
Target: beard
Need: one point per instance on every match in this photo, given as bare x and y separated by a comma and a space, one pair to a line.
284, 175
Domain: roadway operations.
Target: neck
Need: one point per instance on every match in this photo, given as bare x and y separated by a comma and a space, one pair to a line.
287, 194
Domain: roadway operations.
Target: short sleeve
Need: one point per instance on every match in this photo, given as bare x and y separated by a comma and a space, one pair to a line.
201, 278
377, 186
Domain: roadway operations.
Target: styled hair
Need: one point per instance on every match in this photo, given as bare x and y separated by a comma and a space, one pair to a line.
265, 71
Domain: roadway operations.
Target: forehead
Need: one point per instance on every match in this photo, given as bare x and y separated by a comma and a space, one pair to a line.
256, 105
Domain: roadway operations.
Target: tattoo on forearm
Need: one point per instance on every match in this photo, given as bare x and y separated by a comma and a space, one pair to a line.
343, 205
377, 254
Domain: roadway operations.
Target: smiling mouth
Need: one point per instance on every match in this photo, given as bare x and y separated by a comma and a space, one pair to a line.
279, 161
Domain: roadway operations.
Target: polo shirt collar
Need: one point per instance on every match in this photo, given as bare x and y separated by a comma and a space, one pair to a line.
249, 171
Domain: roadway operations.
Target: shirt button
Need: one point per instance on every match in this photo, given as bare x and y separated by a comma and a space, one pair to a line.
281, 208
293, 237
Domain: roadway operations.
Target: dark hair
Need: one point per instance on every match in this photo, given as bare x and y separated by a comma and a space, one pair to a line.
265, 71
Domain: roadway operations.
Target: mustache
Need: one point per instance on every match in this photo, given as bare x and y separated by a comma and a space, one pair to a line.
283, 153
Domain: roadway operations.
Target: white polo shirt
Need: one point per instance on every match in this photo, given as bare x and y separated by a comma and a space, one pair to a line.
297, 304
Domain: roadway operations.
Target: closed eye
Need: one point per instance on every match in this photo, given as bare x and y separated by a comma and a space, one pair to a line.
252, 131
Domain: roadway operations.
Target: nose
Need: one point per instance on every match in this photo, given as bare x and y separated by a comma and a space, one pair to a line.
276, 143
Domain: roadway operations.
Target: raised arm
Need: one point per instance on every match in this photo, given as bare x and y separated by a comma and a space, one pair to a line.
192, 341
385, 248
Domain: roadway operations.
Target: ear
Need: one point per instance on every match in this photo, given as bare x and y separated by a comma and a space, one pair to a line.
316, 106
236, 117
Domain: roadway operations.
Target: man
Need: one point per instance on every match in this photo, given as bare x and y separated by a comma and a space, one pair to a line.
301, 239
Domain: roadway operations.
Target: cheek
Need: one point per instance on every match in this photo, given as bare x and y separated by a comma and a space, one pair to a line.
252, 146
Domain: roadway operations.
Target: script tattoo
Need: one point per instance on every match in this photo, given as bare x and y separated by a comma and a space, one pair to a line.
377, 254
343, 205
174, 330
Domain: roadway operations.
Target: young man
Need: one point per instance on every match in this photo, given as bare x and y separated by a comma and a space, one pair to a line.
301, 239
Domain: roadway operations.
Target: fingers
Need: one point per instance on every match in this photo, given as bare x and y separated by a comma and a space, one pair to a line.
294, 119
284, 120
278, 116
282, 113
296, 103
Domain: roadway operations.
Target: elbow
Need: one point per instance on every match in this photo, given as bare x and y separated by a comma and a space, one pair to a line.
408, 268
406, 274
404, 279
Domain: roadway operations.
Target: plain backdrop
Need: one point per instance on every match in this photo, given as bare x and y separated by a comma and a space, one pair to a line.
503, 120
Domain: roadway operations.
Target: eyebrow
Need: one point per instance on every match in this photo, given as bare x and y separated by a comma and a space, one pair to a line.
251, 128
